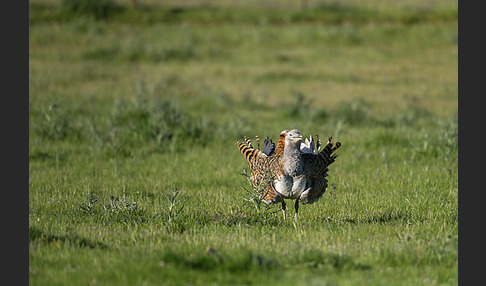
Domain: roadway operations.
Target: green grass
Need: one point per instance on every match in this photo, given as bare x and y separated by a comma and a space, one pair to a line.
134, 171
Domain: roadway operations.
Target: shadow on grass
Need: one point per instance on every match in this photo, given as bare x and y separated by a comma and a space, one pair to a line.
386, 216
315, 258
244, 260
239, 261
37, 235
247, 217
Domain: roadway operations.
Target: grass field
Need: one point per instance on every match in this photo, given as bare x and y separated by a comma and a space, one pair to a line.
134, 114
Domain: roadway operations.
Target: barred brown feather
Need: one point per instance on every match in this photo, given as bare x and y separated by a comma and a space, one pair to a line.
281, 142
264, 169
249, 152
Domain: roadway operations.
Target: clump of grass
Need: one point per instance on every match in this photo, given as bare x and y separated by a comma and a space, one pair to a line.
56, 123
99, 9
301, 105
355, 112
111, 210
442, 142
135, 51
411, 113
175, 219
147, 123
52, 120
303, 108
236, 127
259, 210
153, 120
449, 134
90, 202
330, 13
120, 208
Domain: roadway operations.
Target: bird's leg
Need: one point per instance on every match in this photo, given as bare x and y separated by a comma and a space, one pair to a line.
284, 207
296, 209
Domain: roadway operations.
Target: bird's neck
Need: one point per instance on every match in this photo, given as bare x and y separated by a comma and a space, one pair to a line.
293, 160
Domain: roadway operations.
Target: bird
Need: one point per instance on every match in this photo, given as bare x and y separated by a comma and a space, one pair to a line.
267, 168
279, 174
315, 164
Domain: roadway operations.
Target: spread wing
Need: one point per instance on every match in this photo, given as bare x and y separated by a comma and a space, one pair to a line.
316, 170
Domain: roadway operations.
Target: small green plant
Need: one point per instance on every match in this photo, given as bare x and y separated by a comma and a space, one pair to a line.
333, 191
173, 212
173, 220
115, 209
90, 202
123, 209
254, 195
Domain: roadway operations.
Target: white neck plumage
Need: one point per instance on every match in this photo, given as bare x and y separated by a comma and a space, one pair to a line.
293, 159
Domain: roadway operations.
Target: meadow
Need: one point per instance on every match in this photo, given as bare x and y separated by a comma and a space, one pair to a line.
134, 114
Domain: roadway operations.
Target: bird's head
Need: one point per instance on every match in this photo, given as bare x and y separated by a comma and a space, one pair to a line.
293, 137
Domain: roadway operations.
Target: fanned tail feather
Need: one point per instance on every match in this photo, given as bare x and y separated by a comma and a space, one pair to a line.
268, 146
248, 142
318, 143
308, 145
328, 150
338, 144
249, 152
